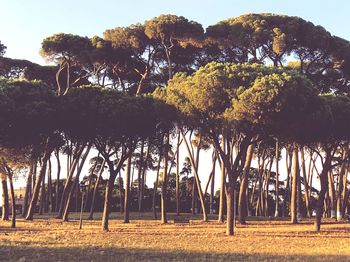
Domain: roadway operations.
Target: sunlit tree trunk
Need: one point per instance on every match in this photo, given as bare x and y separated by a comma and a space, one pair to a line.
57, 154
127, 191
94, 194
177, 189
155, 188
277, 180
306, 183
13, 202
295, 173
242, 200
163, 199
28, 190
222, 186
324, 188
5, 198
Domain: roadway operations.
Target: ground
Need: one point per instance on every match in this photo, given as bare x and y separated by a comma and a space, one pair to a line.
145, 239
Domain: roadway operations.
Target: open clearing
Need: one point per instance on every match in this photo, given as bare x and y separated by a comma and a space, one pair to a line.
146, 240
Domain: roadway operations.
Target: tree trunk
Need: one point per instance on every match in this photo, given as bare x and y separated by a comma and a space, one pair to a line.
230, 210
343, 168
92, 206
139, 174
324, 188
38, 182
306, 183
109, 188
212, 184
28, 191
121, 196
277, 180
108, 197
195, 168
49, 199
155, 189
295, 174
127, 191
332, 200
222, 187
69, 180
13, 204
177, 189
42, 197
75, 185
57, 154
163, 199
242, 199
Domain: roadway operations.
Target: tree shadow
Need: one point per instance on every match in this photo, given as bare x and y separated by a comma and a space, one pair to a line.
23, 253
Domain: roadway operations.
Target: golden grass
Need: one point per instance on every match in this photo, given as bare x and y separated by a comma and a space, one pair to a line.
146, 240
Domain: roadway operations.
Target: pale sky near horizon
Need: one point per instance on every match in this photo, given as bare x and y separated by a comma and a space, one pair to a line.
24, 24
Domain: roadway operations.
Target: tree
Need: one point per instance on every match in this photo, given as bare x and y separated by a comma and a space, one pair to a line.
239, 103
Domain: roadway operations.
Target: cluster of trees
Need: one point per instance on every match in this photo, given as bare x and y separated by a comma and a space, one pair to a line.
255, 86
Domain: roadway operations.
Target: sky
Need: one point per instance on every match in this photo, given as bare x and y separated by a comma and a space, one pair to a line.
24, 24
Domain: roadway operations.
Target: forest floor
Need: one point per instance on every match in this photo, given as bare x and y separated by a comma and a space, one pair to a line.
145, 239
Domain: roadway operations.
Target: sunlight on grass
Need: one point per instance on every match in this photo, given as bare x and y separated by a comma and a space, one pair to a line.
146, 239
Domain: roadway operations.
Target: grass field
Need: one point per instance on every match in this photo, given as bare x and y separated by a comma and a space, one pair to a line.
146, 240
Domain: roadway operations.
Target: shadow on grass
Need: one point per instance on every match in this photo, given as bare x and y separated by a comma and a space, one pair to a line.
120, 254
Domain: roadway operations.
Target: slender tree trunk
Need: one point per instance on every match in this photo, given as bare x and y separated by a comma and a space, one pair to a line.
36, 190
94, 194
28, 191
108, 197
89, 188
277, 180
42, 197
242, 200
195, 168
332, 200
127, 191
324, 188
222, 187
212, 184
5, 198
121, 196
295, 170
163, 199
343, 168
49, 199
299, 198
109, 188
306, 183
266, 207
177, 189
13, 202
57, 154
230, 210
155, 189
139, 174
75, 185
69, 181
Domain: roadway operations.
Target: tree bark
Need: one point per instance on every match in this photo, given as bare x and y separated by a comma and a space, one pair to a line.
324, 188
277, 180
242, 199
13, 202
57, 154
163, 199
222, 188
69, 181
127, 191
28, 190
306, 183
92, 206
155, 188
295, 173
36, 190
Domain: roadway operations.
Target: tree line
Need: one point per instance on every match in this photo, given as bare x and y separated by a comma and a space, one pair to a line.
254, 86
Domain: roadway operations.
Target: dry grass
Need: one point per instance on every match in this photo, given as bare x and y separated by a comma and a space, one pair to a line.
145, 239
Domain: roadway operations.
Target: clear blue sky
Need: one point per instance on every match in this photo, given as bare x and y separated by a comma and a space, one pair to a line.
25, 23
